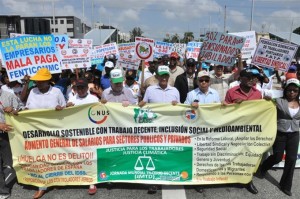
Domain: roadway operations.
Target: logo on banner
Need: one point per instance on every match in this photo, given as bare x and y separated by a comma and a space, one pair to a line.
144, 115
190, 115
98, 114
143, 50
103, 175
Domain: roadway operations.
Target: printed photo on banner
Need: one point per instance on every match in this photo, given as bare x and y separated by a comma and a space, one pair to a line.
24, 55
249, 47
274, 54
179, 48
221, 48
193, 50
162, 48
127, 58
144, 48
75, 58
80, 43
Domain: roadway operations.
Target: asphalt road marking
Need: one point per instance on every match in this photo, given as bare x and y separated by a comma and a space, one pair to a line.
173, 192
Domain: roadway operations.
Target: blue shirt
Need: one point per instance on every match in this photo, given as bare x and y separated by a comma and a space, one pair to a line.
212, 96
105, 82
155, 94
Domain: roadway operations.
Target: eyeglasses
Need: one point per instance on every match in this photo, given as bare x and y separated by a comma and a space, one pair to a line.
204, 80
292, 90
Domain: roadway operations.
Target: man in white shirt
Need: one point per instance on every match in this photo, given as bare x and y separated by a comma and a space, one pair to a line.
82, 96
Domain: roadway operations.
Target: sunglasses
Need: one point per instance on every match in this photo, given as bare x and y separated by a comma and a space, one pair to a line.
203, 80
292, 90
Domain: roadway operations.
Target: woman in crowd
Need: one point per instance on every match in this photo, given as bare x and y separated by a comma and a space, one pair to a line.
44, 96
287, 138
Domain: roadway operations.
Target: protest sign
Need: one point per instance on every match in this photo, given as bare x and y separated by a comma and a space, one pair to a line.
179, 48
144, 48
250, 44
221, 48
100, 52
26, 54
274, 54
158, 144
80, 43
61, 41
127, 58
162, 48
193, 49
75, 58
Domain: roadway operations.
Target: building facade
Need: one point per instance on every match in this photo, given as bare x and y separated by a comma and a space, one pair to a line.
9, 24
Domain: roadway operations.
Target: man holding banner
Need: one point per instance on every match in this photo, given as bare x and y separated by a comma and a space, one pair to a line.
238, 94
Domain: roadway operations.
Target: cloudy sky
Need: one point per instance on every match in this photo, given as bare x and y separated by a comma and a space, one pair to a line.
157, 18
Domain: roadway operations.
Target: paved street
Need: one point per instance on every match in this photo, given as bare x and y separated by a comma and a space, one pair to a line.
267, 189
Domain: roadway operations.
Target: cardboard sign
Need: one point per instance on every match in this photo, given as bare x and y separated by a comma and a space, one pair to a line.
249, 47
100, 52
81, 43
127, 58
193, 49
75, 58
274, 54
220, 48
26, 54
179, 48
144, 48
162, 48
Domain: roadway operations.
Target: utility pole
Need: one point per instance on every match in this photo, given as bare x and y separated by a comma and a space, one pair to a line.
252, 8
225, 20
53, 17
92, 14
83, 25
290, 39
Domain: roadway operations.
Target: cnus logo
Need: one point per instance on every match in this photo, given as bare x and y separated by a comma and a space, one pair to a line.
98, 114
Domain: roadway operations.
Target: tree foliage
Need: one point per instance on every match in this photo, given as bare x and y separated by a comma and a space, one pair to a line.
188, 36
136, 32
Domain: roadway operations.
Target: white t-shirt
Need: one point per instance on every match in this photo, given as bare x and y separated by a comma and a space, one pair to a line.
48, 100
76, 100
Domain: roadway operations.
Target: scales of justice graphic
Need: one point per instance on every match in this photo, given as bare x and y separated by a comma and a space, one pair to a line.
140, 166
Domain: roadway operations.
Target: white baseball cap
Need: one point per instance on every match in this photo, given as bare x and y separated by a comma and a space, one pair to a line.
109, 64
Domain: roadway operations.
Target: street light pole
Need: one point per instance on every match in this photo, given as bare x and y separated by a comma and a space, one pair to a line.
251, 20
53, 15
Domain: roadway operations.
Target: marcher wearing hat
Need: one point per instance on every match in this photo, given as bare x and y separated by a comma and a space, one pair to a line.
44, 96
187, 81
203, 94
287, 138
153, 80
83, 97
117, 92
162, 92
245, 91
105, 79
175, 70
